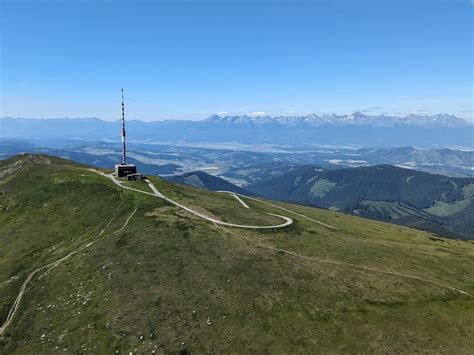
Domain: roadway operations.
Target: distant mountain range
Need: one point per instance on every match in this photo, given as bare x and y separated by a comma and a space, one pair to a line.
436, 203
355, 119
358, 128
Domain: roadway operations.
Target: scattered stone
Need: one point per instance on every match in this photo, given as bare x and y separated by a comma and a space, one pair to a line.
141, 337
208, 322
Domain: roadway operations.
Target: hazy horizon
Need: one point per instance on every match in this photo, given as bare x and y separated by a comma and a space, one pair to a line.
253, 115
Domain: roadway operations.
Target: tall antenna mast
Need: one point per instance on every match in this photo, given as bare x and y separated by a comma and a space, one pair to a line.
124, 156
124, 170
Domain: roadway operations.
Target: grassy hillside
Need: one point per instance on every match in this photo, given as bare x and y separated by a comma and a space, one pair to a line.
204, 180
171, 282
436, 203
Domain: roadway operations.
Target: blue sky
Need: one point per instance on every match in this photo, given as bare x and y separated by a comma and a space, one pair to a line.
189, 59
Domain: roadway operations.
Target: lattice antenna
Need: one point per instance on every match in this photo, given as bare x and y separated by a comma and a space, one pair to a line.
124, 151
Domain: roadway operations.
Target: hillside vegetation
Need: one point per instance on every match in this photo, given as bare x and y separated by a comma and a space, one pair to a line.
203, 180
149, 276
440, 204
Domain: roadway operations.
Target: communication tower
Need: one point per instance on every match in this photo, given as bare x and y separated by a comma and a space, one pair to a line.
123, 169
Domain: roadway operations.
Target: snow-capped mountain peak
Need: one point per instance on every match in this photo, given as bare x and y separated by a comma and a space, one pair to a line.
356, 118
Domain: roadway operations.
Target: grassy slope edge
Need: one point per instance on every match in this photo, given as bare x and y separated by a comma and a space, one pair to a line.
154, 285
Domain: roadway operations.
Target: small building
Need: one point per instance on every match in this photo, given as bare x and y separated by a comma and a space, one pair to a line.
135, 177
123, 170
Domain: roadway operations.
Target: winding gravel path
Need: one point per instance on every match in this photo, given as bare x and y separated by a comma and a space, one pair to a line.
240, 200
348, 265
288, 222
283, 209
46, 268
157, 193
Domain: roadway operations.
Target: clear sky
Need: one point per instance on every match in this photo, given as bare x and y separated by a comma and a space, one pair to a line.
189, 59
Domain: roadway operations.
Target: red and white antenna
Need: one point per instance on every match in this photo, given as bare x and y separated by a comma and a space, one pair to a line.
124, 156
